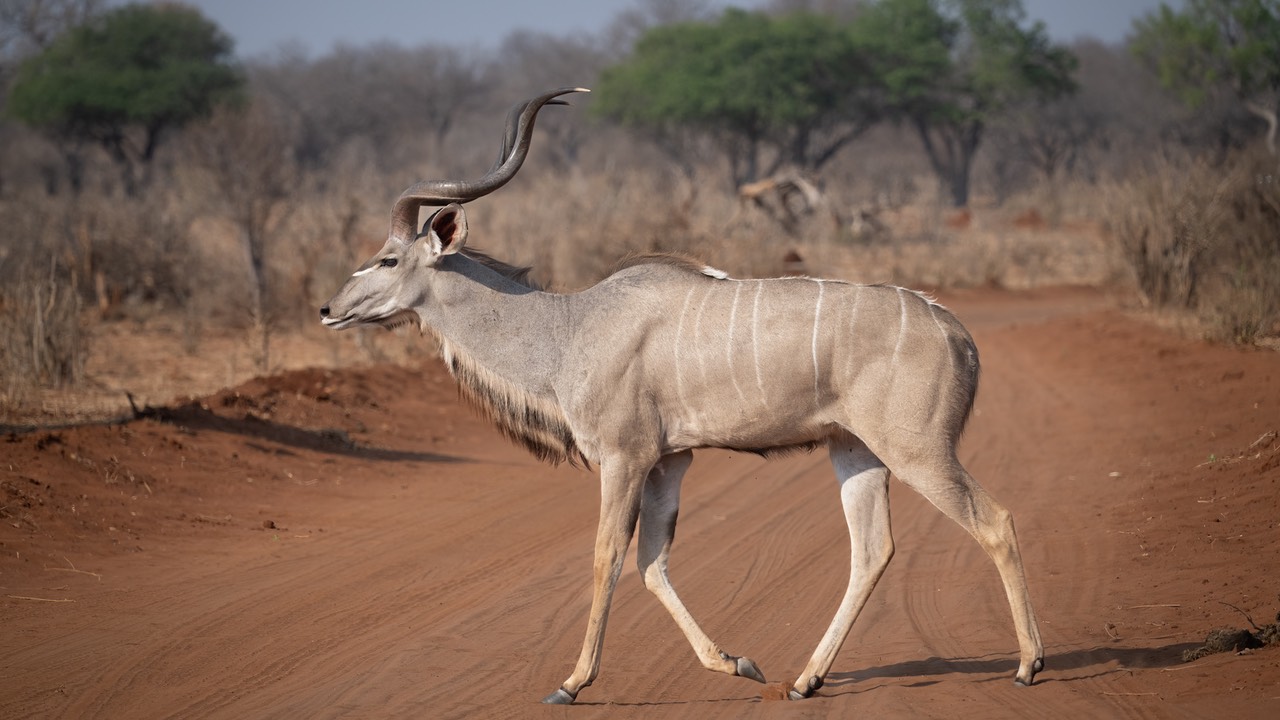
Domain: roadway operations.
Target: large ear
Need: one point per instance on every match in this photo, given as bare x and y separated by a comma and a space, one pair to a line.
446, 230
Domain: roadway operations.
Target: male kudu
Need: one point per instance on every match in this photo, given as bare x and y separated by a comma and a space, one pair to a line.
666, 356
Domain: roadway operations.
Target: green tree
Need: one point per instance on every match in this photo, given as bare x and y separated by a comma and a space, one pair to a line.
126, 79
950, 67
1215, 44
768, 91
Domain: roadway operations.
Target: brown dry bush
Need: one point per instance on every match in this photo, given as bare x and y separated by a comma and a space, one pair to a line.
1205, 238
1242, 299
1163, 222
42, 340
575, 227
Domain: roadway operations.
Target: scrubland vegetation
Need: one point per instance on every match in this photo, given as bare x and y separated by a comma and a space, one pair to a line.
237, 213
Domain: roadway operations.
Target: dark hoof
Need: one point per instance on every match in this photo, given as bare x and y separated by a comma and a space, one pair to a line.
796, 695
748, 669
559, 697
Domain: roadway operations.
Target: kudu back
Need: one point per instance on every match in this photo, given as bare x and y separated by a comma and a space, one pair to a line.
666, 356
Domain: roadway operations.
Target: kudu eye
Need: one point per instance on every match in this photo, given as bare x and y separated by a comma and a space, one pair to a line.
389, 262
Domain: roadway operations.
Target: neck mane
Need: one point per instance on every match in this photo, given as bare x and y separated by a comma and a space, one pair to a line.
532, 420
515, 273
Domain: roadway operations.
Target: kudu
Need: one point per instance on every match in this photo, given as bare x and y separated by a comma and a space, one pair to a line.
666, 356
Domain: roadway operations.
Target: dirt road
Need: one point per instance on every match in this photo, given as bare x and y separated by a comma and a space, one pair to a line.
359, 544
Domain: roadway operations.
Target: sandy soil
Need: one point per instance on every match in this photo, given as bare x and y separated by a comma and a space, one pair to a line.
359, 544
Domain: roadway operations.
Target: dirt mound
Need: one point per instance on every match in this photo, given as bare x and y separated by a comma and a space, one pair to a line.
108, 488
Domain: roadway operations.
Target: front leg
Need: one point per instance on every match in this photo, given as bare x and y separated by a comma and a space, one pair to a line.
621, 482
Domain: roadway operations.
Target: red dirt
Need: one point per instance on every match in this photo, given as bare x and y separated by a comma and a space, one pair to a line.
358, 544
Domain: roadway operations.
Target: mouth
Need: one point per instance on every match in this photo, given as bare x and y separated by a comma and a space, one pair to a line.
390, 322
334, 323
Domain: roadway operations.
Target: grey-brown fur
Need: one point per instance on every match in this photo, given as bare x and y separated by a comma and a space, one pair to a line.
666, 356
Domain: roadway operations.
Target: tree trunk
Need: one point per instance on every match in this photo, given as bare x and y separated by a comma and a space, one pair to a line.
952, 154
959, 186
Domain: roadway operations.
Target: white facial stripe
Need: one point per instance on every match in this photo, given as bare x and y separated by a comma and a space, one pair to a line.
369, 269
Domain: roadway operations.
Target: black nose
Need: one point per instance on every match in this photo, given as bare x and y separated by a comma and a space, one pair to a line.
324, 311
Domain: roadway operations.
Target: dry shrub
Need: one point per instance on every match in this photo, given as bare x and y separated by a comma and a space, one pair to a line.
1164, 221
1205, 238
1242, 298
42, 341
136, 250
575, 230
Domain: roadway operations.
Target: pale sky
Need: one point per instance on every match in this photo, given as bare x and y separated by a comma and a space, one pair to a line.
261, 26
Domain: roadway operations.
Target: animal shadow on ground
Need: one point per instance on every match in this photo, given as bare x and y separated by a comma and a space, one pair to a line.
1000, 667
662, 703
193, 417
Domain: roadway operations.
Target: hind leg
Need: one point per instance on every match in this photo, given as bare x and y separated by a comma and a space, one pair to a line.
953, 491
864, 494
659, 506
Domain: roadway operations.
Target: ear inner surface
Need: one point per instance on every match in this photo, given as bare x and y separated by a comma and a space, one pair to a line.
448, 228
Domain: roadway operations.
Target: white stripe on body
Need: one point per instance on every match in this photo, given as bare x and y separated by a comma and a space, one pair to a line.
728, 347
817, 315
933, 312
755, 341
902, 328
676, 348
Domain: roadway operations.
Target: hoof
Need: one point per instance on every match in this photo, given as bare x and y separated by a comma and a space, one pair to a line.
559, 697
814, 683
748, 669
1036, 667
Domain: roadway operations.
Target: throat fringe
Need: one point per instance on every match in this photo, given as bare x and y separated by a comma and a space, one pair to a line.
535, 423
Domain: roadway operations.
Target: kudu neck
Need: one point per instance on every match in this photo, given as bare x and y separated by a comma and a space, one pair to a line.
504, 326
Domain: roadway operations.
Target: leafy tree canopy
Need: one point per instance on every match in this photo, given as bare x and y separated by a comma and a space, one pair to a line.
1215, 44
147, 68
791, 83
948, 67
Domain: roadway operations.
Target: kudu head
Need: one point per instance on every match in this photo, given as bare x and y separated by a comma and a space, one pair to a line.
398, 278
